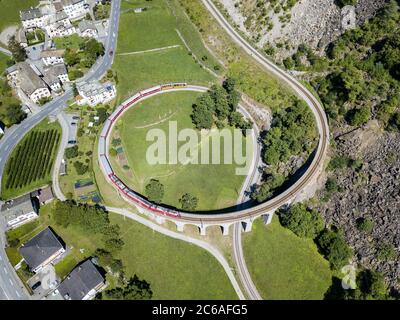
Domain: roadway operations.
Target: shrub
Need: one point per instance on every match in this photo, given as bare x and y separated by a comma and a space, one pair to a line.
155, 191
365, 225
304, 222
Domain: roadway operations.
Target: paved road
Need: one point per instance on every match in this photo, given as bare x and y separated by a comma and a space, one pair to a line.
180, 236
9, 283
5, 51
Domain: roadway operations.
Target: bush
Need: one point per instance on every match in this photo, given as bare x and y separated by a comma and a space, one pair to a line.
304, 222
80, 167
365, 225
155, 191
358, 117
71, 152
334, 248
113, 152
385, 251
188, 202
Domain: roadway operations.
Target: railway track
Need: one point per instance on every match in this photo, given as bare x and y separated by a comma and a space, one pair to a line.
288, 195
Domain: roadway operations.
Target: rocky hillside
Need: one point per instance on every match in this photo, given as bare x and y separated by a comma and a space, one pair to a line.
284, 24
368, 189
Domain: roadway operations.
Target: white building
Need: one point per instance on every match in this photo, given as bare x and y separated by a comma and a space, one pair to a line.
59, 25
33, 18
56, 71
19, 211
75, 8
31, 83
87, 29
51, 57
95, 93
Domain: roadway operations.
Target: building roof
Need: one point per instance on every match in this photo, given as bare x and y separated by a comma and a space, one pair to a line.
40, 248
17, 207
84, 25
90, 89
52, 53
46, 194
30, 14
11, 69
82, 279
55, 70
70, 2
29, 80
21, 37
58, 6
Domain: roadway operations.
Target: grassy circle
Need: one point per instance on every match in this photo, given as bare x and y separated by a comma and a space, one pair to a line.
215, 185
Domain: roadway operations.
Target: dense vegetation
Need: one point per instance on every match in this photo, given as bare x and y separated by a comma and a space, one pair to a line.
133, 289
32, 160
218, 106
292, 133
80, 53
363, 79
10, 107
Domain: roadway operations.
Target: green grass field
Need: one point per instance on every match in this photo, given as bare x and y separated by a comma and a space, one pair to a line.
174, 269
9, 13
284, 266
16, 180
152, 29
216, 186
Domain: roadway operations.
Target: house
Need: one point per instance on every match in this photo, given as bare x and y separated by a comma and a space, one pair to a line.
33, 18
18, 211
58, 71
31, 84
52, 56
83, 283
45, 195
12, 75
21, 38
87, 29
75, 8
42, 250
94, 93
60, 25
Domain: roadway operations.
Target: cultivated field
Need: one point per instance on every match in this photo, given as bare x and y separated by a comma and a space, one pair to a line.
31, 161
284, 266
216, 186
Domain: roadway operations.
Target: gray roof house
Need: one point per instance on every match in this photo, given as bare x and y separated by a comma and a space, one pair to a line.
86, 25
82, 283
30, 14
29, 80
42, 249
19, 211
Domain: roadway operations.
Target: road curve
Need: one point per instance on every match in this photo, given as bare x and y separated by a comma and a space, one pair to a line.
180, 236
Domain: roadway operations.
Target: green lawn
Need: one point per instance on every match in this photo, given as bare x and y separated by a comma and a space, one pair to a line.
151, 29
284, 266
8, 193
216, 186
9, 13
3, 62
174, 269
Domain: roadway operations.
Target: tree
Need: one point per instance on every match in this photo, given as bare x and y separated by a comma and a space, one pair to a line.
155, 191
80, 167
71, 152
113, 152
334, 248
188, 202
219, 97
17, 51
304, 222
370, 286
102, 114
343, 3
135, 289
358, 117
202, 117
75, 90
14, 114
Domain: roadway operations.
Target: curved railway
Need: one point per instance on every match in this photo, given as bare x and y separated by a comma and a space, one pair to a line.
203, 219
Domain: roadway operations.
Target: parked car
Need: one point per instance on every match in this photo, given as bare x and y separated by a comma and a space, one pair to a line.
36, 285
